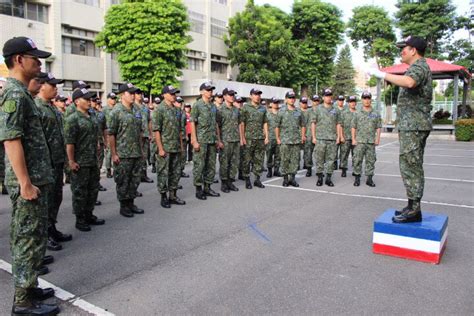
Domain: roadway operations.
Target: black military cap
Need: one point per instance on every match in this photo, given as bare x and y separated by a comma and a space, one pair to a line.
206, 86
127, 87
366, 94
146, 100
255, 91
290, 94
79, 84
179, 99
341, 98
49, 78
274, 100
23, 45
327, 92
157, 100
352, 98
264, 102
111, 95
219, 95
170, 90
82, 93
227, 91
187, 105
315, 98
303, 100
239, 99
60, 97
413, 41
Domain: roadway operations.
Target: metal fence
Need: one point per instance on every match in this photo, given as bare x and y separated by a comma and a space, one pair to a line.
437, 105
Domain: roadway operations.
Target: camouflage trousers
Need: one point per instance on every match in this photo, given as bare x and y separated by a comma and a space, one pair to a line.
229, 160
364, 151
2, 163
241, 160
28, 234
338, 152
153, 153
55, 194
204, 164
412, 150
290, 154
101, 156
346, 149
254, 154
84, 188
273, 155
182, 155
308, 149
324, 154
108, 158
146, 153
168, 172
127, 176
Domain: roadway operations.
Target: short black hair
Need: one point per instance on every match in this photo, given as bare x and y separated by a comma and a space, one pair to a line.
9, 61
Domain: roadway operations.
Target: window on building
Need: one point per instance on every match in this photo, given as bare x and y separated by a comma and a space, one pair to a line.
218, 57
80, 42
218, 67
94, 3
218, 28
197, 21
47, 66
195, 64
25, 10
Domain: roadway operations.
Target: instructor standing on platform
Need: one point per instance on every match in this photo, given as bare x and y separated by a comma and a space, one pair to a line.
414, 122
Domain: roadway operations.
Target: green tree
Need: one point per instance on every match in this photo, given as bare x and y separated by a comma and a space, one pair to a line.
344, 73
318, 29
372, 26
461, 52
260, 44
434, 20
149, 38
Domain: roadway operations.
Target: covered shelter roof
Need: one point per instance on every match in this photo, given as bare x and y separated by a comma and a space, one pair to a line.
439, 69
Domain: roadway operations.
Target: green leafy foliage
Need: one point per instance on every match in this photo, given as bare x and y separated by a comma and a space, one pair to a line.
464, 130
372, 26
344, 73
149, 38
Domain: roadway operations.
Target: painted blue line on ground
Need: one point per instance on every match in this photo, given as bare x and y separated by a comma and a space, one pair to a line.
260, 234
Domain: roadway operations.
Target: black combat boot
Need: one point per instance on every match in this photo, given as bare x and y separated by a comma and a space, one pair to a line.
343, 173
248, 184
240, 175
109, 173
153, 168
4, 189
125, 209
39, 294
174, 199
184, 174
199, 193
320, 179
309, 172
34, 309
134, 208
101, 188
409, 206
145, 179
82, 224
258, 183
47, 260
42, 270
210, 192
165, 202
293, 181
231, 186
370, 182
97, 203
328, 181
270, 173
357, 181
224, 186
52, 245
285, 180
276, 172
409, 215
335, 165
57, 235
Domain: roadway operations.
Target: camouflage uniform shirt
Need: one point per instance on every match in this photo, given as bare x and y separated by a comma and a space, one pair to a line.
205, 116
228, 120
290, 123
308, 117
167, 120
126, 126
20, 118
53, 128
366, 124
81, 131
414, 105
326, 120
253, 117
346, 121
272, 120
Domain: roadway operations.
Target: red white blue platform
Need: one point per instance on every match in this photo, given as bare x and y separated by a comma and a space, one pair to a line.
424, 241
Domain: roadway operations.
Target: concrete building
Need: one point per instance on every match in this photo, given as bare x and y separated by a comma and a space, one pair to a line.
67, 28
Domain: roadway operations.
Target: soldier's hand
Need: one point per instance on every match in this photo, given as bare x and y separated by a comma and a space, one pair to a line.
338, 141
278, 141
29, 192
116, 159
266, 141
74, 166
343, 140
162, 153
314, 141
354, 142
220, 145
303, 139
196, 146
243, 142
377, 142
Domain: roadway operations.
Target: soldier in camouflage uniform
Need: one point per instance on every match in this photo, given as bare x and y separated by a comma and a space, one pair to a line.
346, 125
308, 146
111, 101
228, 120
145, 136
254, 135
218, 100
81, 136
238, 104
290, 133
179, 107
28, 175
153, 148
205, 139
339, 108
366, 125
273, 148
53, 128
99, 117
166, 124
414, 122
325, 131
125, 136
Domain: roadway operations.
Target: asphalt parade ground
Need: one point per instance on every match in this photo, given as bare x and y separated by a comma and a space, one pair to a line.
283, 251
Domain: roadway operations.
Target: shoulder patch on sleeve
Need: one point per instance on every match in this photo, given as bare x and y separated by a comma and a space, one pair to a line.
9, 106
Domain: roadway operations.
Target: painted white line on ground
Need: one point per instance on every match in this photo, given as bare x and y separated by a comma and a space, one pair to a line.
387, 144
427, 178
429, 155
63, 294
429, 164
369, 196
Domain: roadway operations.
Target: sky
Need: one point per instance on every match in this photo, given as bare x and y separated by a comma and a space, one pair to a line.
347, 5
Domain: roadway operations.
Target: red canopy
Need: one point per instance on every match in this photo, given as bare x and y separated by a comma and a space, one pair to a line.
439, 68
